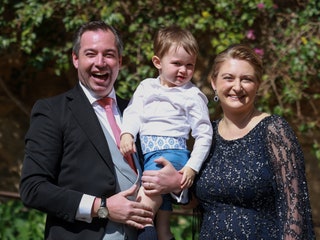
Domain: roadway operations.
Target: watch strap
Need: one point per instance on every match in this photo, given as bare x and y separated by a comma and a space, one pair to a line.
103, 202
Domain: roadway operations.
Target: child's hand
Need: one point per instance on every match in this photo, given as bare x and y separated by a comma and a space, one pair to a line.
127, 145
188, 175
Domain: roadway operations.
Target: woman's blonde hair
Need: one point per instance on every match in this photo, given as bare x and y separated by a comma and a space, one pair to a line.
239, 52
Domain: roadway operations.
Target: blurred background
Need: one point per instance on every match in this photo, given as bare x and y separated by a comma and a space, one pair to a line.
35, 47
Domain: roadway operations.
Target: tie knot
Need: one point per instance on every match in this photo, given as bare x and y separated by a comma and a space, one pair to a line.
107, 101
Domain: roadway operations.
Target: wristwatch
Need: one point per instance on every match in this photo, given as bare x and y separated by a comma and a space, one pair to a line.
103, 210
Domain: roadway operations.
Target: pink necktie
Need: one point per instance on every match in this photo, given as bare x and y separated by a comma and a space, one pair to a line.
106, 103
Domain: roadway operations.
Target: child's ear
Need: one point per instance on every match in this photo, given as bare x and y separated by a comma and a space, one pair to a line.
156, 62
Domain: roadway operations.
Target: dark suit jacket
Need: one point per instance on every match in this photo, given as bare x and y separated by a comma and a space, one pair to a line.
66, 155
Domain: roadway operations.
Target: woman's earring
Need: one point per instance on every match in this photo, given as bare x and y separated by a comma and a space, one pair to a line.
215, 98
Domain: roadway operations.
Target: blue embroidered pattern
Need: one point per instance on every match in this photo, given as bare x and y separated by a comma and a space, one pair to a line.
151, 143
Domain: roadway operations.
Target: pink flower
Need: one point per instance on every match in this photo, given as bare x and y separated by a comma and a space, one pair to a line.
250, 35
259, 51
260, 5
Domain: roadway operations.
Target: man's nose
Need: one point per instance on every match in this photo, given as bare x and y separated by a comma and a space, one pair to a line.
100, 60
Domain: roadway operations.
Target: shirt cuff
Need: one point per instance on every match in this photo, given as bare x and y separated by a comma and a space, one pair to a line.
84, 209
182, 198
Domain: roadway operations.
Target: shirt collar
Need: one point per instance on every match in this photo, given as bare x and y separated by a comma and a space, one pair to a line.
92, 97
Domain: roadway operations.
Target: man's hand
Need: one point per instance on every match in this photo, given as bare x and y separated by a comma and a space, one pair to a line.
129, 212
163, 181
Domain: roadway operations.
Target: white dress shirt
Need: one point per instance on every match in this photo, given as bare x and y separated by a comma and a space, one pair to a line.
84, 210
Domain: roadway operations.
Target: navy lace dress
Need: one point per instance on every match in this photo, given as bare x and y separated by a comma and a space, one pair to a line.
255, 187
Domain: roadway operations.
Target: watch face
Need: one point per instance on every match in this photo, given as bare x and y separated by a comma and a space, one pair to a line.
103, 212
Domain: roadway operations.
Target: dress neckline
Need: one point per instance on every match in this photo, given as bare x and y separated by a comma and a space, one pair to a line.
246, 135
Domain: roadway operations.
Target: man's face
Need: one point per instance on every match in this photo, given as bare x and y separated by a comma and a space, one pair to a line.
98, 62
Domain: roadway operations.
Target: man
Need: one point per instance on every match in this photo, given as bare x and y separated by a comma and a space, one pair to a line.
72, 168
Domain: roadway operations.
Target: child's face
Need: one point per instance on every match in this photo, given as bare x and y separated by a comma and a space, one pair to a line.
176, 68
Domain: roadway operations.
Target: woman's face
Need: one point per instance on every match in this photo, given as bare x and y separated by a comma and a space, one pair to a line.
236, 85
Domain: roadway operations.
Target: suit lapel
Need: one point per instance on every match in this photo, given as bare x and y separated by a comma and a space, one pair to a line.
89, 123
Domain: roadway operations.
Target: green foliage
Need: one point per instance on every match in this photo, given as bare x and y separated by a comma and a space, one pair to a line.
17, 222
316, 150
286, 35
36, 36
182, 225
39, 34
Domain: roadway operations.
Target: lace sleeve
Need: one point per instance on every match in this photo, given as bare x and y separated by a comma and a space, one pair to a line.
292, 198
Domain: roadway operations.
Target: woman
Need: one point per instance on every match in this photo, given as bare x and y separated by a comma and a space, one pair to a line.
253, 184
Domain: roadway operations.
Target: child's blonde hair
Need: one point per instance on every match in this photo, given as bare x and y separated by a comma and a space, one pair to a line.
174, 35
